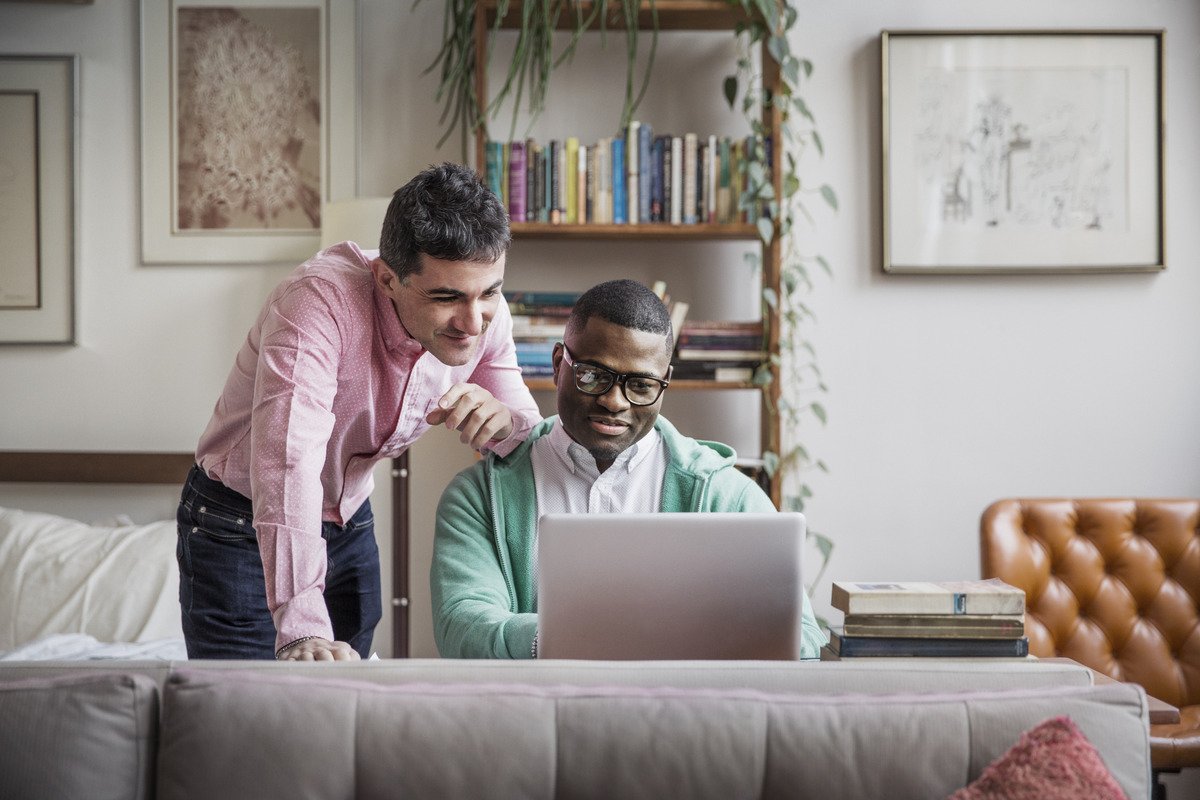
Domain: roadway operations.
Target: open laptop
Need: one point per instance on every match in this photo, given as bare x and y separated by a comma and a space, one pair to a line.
670, 586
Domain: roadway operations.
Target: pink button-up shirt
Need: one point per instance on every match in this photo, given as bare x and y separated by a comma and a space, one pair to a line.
328, 383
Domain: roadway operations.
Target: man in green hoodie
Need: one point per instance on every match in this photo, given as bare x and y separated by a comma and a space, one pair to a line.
607, 451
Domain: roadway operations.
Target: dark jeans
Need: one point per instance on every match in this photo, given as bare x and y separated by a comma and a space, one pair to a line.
222, 592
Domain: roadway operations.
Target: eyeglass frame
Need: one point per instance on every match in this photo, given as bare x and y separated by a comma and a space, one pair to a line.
618, 378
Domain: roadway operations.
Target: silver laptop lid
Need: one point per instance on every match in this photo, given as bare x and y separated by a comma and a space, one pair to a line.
670, 586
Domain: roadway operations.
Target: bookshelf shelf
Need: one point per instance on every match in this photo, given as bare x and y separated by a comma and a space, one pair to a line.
672, 15
547, 385
657, 230
693, 15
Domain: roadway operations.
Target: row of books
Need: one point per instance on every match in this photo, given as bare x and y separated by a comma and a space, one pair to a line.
956, 619
635, 178
715, 350
539, 320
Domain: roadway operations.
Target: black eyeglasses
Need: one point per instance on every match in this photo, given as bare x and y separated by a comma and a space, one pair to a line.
639, 390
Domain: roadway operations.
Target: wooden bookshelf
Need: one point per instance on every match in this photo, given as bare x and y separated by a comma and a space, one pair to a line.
692, 15
672, 15
656, 230
689, 384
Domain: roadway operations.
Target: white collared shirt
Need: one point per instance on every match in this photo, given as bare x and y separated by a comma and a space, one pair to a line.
567, 480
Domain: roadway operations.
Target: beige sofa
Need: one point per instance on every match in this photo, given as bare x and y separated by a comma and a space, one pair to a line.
429, 728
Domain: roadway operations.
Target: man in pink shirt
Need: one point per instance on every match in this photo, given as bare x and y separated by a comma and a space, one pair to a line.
353, 356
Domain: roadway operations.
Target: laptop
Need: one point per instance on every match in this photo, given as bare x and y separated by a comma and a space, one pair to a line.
670, 586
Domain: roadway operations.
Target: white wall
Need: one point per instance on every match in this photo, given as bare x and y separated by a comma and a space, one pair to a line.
947, 392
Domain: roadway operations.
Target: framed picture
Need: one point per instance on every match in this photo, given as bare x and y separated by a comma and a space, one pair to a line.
1014, 152
38, 168
249, 124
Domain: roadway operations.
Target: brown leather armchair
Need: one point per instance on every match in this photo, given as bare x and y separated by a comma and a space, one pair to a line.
1113, 584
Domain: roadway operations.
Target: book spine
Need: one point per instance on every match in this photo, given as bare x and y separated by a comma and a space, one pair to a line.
604, 181
592, 183
689, 178
516, 181
712, 170
675, 181
620, 196
632, 164
645, 172
572, 174
724, 182
658, 187
494, 156
555, 181
536, 176
582, 185
528, 181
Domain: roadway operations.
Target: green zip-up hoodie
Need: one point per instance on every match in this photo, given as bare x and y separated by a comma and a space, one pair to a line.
482, 574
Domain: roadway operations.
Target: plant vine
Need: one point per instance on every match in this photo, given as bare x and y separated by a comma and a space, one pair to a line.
800, 376
775, 213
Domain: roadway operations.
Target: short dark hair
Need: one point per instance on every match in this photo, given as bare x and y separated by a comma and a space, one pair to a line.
445, 212
626, 303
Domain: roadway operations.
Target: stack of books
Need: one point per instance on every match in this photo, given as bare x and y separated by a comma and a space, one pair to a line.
539, 320
635, 177
720, 350
955, 619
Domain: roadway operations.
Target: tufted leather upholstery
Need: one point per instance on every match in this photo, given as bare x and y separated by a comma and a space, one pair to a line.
1113, 584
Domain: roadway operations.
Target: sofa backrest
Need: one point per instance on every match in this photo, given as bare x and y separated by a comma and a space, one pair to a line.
90, 736
268, 734
872, 676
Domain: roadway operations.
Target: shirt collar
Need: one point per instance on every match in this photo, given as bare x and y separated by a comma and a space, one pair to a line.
395, 336
575, 456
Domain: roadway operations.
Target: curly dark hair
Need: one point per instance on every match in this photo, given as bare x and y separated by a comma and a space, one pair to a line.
445, 212
626, 303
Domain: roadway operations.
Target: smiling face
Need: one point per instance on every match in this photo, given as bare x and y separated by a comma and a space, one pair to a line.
606, 425
447, 305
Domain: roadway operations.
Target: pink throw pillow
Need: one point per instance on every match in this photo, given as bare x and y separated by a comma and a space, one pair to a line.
1052, 761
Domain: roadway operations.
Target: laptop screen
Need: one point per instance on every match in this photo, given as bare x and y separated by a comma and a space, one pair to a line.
670, 586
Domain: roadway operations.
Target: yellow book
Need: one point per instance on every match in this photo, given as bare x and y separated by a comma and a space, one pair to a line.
572, 179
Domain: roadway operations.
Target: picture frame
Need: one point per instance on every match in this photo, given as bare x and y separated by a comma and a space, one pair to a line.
236, 171
1022, 151
39, 167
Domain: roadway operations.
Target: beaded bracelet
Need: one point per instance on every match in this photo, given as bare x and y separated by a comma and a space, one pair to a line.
293, 643
533, 650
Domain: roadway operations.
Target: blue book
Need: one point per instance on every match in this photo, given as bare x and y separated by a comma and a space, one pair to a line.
494, 153
620, 198
645, 171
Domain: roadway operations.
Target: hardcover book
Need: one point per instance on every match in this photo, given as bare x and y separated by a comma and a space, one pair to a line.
516, 182
992, 596
936, 626
632, 166
620, 197
851, 646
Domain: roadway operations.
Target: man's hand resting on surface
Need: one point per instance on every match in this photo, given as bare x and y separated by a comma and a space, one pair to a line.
474, 412
319, 650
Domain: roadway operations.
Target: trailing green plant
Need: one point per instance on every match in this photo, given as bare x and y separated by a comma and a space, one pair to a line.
771, 21
801, 382
533, 59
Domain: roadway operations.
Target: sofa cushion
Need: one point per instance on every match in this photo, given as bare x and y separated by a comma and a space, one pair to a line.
1052, 761
87, 736
328, 737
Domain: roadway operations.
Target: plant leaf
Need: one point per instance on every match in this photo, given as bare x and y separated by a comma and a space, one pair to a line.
825, 265
830, 197
766, 230
731, 88
818, 411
